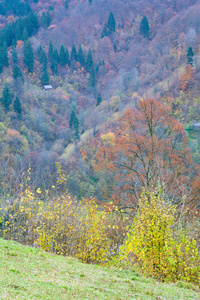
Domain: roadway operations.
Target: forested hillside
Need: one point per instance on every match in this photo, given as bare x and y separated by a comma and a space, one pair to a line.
100, 57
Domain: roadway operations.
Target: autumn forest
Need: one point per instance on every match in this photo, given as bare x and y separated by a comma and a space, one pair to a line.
100, 131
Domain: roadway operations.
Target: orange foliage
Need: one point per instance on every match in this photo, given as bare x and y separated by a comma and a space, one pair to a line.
186, 79
148, 148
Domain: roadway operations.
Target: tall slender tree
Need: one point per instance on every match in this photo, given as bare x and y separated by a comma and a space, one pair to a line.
80, 57
190, 55
28, 56
6, 99
111, 23
144, 27
17, 106
89, 61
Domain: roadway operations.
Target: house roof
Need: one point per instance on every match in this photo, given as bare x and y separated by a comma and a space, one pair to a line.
48, 87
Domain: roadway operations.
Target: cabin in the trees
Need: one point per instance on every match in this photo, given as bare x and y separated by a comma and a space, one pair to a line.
47, 87
196, 126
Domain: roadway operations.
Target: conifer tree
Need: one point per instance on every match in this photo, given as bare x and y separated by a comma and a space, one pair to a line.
66, 4
55, 61
73, 53
111, 23
14, 55
6, 98
99, 99
4, 54
45, 77
144, 27
50, 51
97, 69
28, 56
25, 34
63, 57
92, 78
80, 57
67, 57
17, 73
17, 106
43, 58
104, 31
89, 61
190, 55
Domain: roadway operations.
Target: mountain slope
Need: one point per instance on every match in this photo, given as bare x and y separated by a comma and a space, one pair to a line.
28, 273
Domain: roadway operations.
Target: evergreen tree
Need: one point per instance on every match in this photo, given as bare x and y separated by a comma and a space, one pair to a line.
89, 61
73, 53
74, 123
190, 55
111, 23
43, 58
80, 57
55, 61
67, 57
17, 72
50, 51
99, 99
90, 1
4, 54
144, 27
14, 55
17, 106
104, 31
63, 57
97, 69
45, 77
6, 100
28, 56
66, 5
25, 34
115, 47
92, 78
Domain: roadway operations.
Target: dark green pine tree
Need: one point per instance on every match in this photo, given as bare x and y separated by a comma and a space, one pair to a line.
43, 59
89, 61
25, 34
190, 55
115, 47
111, 23
80, 57
63, 57
6, 98
104, 31
17, 106
144, 27
72, 118
67, 57
66, 5
99, 99
17, 72
97, 69
55, 61
4, 54
28, 56
14, 55
45, 77
90, 1
92, 78
73, 53
50, 51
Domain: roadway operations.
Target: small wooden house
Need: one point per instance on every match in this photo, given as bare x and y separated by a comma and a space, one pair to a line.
47, 87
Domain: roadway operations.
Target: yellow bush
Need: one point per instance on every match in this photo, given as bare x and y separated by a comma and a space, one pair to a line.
155, 248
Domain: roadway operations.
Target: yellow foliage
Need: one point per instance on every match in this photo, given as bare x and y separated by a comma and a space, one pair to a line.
155, 248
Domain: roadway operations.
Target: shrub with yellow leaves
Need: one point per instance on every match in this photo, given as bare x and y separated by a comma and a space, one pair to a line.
158, 248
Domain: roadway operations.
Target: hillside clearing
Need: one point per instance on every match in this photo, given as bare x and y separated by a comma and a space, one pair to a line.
28, 273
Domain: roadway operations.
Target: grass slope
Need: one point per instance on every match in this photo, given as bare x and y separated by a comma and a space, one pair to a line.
28, 273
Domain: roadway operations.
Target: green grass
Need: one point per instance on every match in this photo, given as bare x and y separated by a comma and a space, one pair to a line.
28, 273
